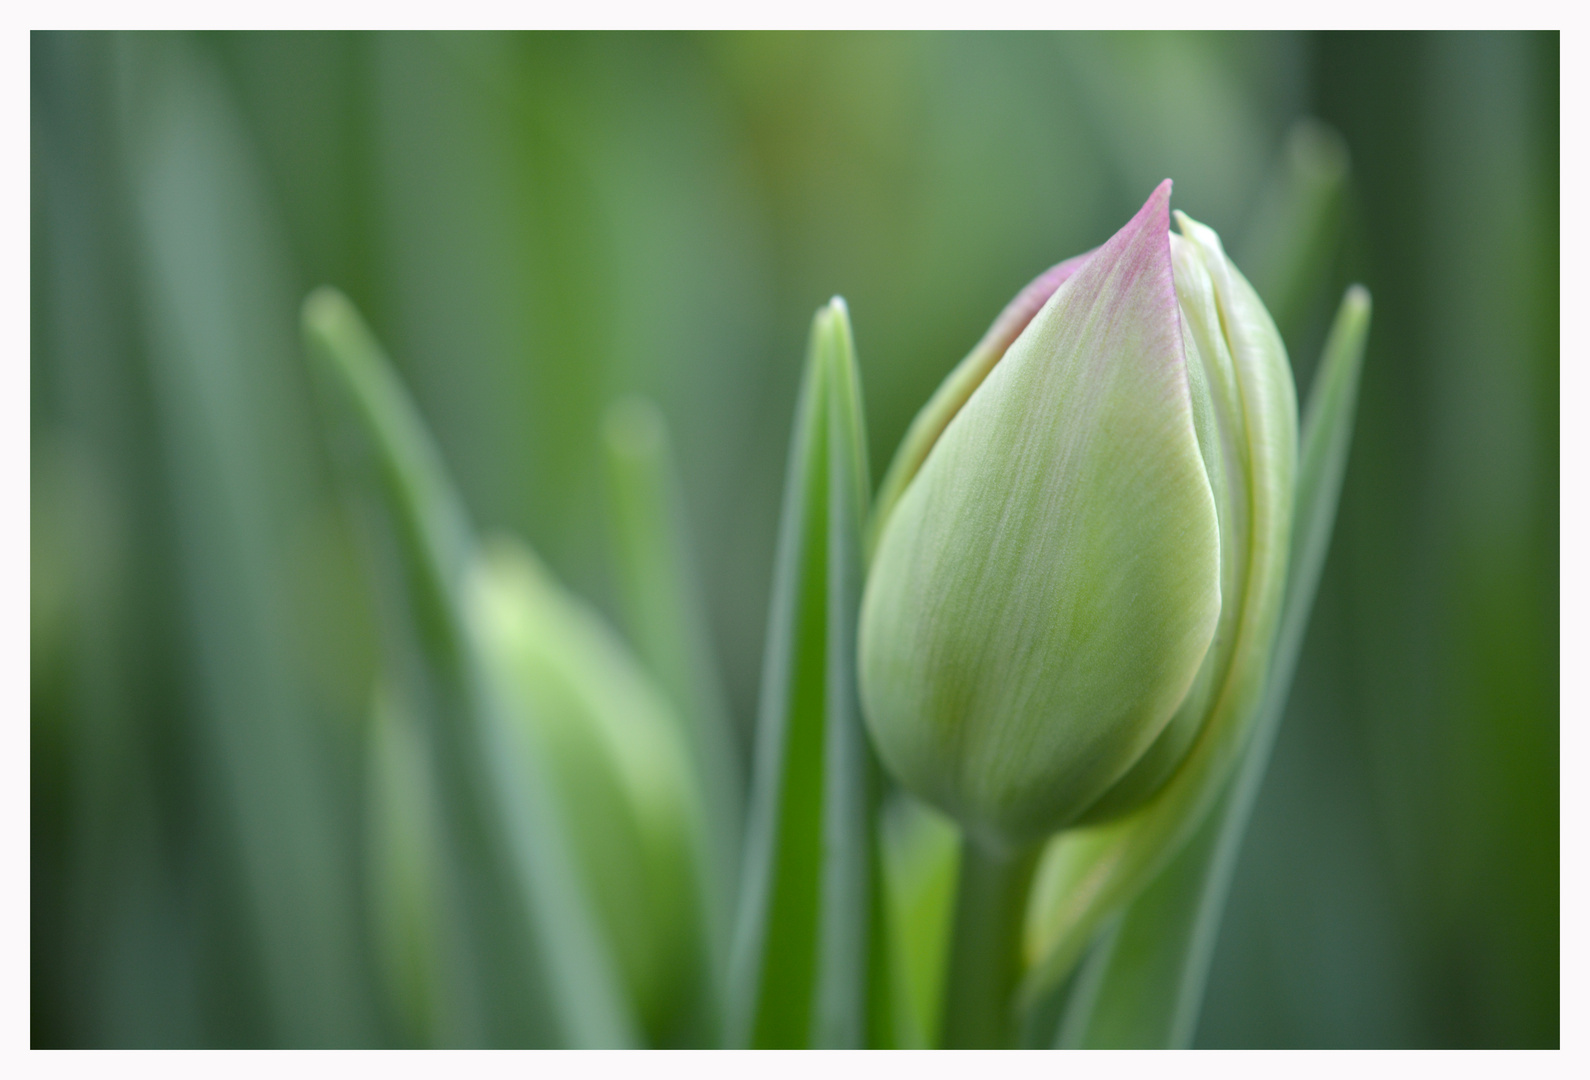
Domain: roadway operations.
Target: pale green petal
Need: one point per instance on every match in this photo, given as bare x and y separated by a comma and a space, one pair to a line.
1088, 872
952, 393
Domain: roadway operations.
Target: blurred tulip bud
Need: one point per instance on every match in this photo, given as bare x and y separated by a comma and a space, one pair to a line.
1080, 550
619, 765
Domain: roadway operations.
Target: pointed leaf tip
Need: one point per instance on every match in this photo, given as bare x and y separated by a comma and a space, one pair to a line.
323, 303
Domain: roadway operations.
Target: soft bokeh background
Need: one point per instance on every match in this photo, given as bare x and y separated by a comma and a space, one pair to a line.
536, 224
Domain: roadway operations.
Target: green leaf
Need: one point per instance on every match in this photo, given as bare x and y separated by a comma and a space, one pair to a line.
662, 606
214, 285
540, 972
1151, 967
401, 869
808, 963
1287, 248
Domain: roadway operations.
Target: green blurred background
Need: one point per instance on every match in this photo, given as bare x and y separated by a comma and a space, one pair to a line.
536, 224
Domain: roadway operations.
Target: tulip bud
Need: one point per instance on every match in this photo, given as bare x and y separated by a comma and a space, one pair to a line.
1092, 548
618, 765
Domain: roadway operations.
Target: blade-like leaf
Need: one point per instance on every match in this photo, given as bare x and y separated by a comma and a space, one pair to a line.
1287, 248
402, 870
661, 602
214, 282
542, 974
853, 1005
807, 958
1155, 962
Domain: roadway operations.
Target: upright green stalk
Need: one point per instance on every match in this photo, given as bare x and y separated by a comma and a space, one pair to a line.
985, 953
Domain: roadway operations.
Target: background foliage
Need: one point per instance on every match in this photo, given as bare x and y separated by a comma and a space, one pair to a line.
536, 224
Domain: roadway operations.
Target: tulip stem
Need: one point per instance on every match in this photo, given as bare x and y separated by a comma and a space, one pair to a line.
985, 952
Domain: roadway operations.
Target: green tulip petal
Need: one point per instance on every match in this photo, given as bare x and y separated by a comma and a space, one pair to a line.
1223, 439
1151, 982
952, 393
1089, 872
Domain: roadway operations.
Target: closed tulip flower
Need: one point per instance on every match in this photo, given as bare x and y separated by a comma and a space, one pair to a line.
1080, 551
619, 769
